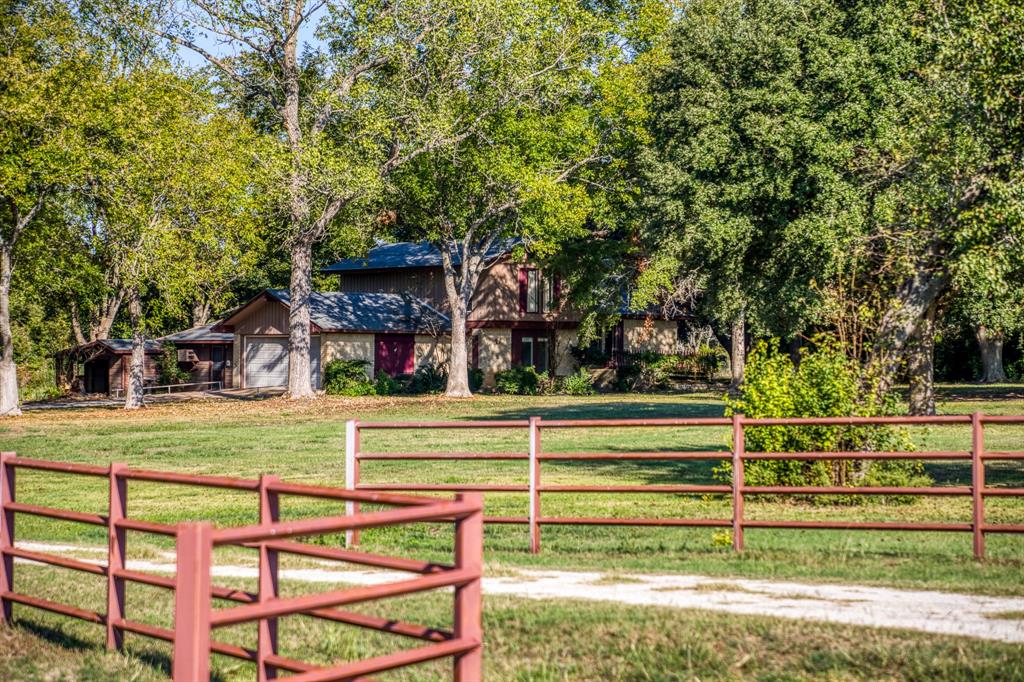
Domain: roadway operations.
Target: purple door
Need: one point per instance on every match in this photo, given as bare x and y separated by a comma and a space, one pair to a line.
395, 354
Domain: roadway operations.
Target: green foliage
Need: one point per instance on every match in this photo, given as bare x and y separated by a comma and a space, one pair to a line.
348, 378
168, 369
579, 383
428, 378
518, 381
648, 371
825, 383
476, 379
386, 385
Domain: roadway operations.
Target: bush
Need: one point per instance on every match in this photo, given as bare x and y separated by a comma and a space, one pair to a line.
518, 381
348, 377
825, 383
578, 383
167, 367
429, 379
476, 379
386, 385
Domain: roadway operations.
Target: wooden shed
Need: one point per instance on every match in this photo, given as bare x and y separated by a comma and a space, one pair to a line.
101, 366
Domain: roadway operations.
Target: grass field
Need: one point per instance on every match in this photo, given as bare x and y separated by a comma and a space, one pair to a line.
536, 640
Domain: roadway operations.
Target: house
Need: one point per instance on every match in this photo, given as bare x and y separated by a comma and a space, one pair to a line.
389, 310
393, 332
103, 366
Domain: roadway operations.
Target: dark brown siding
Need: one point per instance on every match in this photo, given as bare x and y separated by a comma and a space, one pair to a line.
426, 283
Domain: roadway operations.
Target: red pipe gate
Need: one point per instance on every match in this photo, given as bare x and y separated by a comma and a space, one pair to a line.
194, 615
738, 456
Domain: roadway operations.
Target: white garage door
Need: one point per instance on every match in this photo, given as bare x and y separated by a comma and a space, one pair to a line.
266, 361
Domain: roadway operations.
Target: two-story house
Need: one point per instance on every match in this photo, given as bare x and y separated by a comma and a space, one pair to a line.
389, 310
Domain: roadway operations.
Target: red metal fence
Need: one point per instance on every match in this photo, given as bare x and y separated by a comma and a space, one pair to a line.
194, 615
737, 489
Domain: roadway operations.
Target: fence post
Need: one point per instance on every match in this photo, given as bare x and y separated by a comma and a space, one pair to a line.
266, 639
737, 482
978, 484
351, 475
116, 555
6, 534
469, 554
535, 485
192, 603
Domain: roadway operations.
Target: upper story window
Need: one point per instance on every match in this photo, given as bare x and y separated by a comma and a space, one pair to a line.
537, 293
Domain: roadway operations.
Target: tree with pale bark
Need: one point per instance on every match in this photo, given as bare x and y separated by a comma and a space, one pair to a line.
332, 81
174, 190
47, 68
545, 127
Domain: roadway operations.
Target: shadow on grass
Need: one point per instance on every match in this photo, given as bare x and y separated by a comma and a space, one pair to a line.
156, 660
585, 409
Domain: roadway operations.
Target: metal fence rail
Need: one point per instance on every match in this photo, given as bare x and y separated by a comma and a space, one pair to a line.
736, 489
194, 615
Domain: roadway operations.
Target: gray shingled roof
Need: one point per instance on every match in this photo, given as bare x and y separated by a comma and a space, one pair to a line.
341, 311
125, 345
409, 255
199, 334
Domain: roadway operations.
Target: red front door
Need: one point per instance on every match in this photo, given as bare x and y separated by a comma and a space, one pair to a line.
395, 354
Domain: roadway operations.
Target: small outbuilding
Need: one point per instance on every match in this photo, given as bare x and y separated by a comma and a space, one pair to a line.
104, 366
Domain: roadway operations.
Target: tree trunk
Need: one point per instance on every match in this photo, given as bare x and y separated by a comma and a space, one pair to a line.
134, 398
910, 304
8, 370
991, 345
200, 313
738, 353
458, 363
103, 318
300, 384
921, 366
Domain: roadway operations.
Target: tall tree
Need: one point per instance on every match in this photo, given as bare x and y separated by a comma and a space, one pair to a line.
46, 69
535, 92
753, 198
328, 79
952, 174
174, 189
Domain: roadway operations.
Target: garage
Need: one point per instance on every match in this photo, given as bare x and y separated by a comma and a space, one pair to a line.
266, 361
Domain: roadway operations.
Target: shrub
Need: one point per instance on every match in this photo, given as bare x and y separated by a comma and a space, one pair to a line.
429, 379
167, 367
386, 385
476, 379
578, 383
347, 377
518, 381
825, 383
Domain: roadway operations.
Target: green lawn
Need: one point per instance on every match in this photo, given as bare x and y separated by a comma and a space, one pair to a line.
544, 640
539, 641
305, 443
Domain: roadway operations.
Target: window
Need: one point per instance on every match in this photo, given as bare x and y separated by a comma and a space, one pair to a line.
533, 291
534, 352
549, 293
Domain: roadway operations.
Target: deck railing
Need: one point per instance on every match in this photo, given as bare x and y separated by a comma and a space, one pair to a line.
737, 489
194, 615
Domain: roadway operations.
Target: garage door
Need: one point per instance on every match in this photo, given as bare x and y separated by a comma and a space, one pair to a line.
266, 361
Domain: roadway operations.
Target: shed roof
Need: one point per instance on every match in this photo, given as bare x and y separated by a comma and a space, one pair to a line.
200, 335
117, 346
411, 255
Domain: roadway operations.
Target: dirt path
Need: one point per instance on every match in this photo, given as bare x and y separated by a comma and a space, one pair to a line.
996, 618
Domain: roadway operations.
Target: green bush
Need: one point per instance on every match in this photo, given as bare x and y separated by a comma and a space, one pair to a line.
386, 385
518, 381
348, 377
167, 367
825, 383
476, 379
429, 379
578, 383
